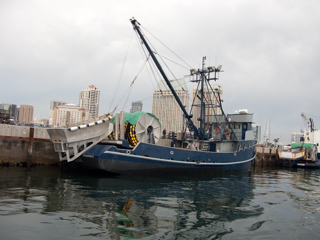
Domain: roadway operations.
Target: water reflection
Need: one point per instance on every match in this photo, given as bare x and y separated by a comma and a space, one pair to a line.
306, 182
290, 198
112, 207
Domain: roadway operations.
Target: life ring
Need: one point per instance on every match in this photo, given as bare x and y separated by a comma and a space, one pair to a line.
227, 132
216, 130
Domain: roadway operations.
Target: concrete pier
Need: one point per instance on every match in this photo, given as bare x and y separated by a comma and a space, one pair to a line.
20, 145
266, 156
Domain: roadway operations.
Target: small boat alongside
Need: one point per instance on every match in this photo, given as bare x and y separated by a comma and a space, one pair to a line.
299, 155
290, 156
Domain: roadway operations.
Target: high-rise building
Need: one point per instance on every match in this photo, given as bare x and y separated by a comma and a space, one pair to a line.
68, 114
89, 99
11, 110
136, 106
26, 114
166, 108
211, 102
53, 104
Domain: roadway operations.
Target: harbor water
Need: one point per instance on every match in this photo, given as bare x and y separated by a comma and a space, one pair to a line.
45, 203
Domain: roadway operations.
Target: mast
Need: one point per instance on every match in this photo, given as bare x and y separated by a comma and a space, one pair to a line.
202, 104
202, 76
137, 28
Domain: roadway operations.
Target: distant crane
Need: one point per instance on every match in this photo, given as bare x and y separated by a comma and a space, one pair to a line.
309, 122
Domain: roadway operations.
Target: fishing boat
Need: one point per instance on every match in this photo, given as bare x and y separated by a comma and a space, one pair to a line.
300, 155
289, 157
222, 142
304, 151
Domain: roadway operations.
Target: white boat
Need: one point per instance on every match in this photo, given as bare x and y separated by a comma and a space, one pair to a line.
290, 157
299, 155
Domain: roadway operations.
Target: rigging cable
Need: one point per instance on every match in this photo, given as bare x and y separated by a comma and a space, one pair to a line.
167, 47
128, 105
164, 63
120, 77
156, 74
145, 55
133, 81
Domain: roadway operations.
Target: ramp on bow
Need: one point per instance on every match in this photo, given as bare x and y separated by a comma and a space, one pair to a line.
72, 142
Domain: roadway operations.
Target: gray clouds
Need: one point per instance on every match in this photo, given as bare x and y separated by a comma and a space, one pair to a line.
269, 52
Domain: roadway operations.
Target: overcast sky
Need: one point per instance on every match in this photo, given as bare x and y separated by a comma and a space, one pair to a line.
50, 50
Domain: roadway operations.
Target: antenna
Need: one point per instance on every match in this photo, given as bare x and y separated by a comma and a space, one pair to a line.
266, 135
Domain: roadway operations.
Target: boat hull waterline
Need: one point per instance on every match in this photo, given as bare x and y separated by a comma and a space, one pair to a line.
160, 160
300, 163
291, 158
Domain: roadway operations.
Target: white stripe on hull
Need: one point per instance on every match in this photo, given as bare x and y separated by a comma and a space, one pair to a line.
175, 161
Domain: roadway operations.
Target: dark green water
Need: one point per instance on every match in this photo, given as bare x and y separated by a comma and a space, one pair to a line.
44, 203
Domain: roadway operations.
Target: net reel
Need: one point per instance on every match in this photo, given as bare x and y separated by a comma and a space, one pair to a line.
140, 127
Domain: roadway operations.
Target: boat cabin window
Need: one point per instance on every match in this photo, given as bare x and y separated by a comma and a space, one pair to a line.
236, 126
244, 146
239, 147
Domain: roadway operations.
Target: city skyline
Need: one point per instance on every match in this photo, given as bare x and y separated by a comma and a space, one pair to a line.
266, 48
136, 106
66, 115
53, 104
166, 108
89, 99
26, 114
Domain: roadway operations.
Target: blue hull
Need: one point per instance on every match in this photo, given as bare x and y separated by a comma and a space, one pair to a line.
309, 165
149, 159
300, 163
